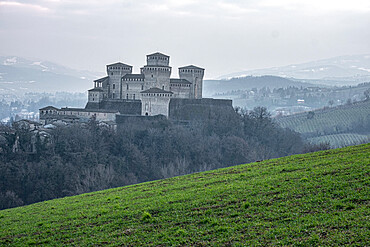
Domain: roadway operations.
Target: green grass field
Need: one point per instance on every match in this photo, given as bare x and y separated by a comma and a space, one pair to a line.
303, 200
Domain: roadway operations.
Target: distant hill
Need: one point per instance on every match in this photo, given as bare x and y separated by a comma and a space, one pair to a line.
211, 87
343, 70
317, 199
340, 126
19, 75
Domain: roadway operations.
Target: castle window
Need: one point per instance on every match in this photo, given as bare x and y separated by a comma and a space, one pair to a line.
93, 99
127, 86
133, 96
114, 86
113, 95
142, 87
126, 96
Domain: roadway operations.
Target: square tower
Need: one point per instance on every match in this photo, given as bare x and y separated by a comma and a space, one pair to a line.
194, 75
157, 72
115, 72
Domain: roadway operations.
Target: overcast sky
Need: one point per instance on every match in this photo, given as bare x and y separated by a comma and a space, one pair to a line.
221, 36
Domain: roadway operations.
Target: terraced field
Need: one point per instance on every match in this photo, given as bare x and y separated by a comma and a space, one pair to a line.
331, 124
314, 199
341, 140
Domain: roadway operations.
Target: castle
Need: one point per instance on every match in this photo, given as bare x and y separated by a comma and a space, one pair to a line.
150, 93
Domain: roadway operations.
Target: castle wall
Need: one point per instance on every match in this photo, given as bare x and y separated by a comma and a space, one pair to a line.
180, 90
197, 109
139, 122
87, 114
76, 114
130, 107
131, 90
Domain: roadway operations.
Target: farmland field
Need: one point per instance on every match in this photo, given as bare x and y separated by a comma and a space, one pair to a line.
306, 200
341, 140
332, 124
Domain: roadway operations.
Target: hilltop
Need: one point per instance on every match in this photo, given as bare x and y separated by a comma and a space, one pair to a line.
20, 75
312, 199
212, 87
342, 70
340, 126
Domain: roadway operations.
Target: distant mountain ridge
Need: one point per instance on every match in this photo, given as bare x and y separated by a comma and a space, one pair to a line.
19, 75
351, 69
212, 87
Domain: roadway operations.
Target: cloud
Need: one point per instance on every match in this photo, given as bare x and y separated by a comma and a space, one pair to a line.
246, 33
318, 5
32, 7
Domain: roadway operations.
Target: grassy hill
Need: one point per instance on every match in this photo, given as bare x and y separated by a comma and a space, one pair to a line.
313, 199
336, 125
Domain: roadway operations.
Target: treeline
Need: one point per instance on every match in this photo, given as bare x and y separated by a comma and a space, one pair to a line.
76, 159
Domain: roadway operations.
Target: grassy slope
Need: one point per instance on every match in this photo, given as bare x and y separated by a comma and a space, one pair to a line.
314, 199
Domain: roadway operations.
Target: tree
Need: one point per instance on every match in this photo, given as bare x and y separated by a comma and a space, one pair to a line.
367, 94
310, 115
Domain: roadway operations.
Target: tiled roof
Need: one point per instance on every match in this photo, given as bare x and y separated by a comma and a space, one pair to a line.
119, 64
102, 79
180, 81
96, 90
49, 108
191, 67
88, 110
157, 54
133, 76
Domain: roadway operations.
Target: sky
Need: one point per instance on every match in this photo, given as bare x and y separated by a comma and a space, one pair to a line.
219, 35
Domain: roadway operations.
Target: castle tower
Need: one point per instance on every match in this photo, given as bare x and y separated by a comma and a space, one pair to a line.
194, 75
115, 72
95, 95
100, 90
157, 72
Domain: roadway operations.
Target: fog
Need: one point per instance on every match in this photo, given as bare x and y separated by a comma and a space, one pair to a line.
222, 36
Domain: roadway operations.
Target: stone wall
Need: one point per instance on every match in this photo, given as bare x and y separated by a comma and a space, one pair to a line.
197, 109
128, 107
180, 90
